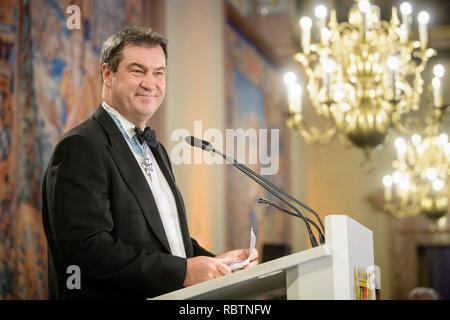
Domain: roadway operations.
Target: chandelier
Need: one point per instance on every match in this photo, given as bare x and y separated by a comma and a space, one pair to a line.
420, 183
363, 75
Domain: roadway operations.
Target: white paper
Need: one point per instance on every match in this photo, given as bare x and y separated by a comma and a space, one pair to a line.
241, 264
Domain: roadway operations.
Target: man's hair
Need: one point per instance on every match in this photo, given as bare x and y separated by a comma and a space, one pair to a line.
135, 35
424, 293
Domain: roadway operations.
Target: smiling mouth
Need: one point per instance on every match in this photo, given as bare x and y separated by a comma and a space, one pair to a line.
146, 95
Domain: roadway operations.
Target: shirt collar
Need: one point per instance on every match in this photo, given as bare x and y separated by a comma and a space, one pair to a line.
126, 124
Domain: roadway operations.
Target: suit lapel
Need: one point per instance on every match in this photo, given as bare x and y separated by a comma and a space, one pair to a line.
132, 174
164, 166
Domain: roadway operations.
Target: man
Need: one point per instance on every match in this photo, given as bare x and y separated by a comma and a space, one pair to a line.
423, 293
110, 202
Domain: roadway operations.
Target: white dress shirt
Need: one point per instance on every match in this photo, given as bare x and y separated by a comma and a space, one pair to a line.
165, 201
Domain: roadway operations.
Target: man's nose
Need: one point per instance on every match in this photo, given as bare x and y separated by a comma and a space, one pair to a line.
149, 82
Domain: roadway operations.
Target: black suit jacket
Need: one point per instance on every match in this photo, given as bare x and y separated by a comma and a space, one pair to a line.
100, 215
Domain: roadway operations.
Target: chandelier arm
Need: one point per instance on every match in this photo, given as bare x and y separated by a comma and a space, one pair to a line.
401, 212
312, 134
409, 125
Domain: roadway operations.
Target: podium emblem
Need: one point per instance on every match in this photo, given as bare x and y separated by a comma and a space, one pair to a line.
363, 290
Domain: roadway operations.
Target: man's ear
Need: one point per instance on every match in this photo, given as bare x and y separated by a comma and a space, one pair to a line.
106, 73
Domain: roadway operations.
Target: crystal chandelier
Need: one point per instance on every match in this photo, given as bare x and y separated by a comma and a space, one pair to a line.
420, 183
362, 75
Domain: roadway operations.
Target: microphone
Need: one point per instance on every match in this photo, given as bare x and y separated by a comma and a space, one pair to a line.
196, 142
266, 184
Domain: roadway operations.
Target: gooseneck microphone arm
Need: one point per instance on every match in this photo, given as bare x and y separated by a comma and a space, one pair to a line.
254, 176
271, 203
208, 147
285, 194
278, 189
261, 181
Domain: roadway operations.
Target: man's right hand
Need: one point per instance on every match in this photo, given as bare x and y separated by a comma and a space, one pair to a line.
202, 268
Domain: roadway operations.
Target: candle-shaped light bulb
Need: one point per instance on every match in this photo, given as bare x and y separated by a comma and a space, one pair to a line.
446, 148
320, 12
403, 33
306, 24
294, 93
437, 92
364, 7
405, 184
406, 10
397, 176
438, 184
387, 182
289, 78
443, 139
439, 70
329, 66
436, 83
295, 98
325, 36
393, 63
431, 173
416, 139
400, 145
423, 19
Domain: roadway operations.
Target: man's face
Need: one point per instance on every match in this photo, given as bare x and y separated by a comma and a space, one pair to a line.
137, 88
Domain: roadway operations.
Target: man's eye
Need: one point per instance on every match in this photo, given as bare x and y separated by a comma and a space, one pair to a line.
137, 71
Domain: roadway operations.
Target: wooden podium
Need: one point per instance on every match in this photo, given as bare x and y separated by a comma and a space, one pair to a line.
342, 268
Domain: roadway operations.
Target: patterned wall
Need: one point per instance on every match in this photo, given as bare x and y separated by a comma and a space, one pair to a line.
49, 82
8, 146
254, 100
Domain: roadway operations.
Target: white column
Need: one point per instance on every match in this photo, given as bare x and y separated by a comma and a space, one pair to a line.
195, 91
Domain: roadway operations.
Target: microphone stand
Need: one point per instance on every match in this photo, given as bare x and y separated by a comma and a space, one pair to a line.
258, 179
266, 184
273, 186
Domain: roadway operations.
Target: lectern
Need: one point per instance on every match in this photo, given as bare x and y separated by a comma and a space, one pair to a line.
342, 268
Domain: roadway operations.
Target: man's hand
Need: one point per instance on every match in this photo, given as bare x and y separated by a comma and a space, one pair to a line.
239, 255
202, 268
